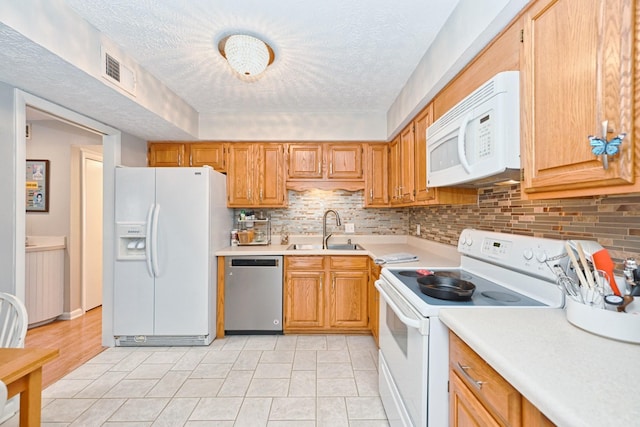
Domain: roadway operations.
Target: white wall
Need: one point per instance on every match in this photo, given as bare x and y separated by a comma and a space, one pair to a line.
7, 190
134, 151
52, 140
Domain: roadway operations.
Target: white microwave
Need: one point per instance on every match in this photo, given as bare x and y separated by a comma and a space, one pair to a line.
477, 142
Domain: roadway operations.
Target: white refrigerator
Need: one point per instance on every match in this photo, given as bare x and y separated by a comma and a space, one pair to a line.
169, 224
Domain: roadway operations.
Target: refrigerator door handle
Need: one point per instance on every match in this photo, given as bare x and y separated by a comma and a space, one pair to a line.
147, 246
154, 241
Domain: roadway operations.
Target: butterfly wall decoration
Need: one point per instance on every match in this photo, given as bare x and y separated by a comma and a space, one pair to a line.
600, 146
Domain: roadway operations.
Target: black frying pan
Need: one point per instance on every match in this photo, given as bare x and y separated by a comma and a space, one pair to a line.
447, 288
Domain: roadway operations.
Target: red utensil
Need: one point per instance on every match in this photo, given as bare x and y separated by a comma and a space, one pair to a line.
602, 261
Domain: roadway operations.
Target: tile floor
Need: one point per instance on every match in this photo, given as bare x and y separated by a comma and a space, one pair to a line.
274, 381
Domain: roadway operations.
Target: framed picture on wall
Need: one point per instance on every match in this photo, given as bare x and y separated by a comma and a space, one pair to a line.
37, 186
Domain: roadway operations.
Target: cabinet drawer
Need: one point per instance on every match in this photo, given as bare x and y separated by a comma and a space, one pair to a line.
348, 262
304, 262
504, 400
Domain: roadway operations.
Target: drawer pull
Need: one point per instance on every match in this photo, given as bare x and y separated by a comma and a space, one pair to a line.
476, 383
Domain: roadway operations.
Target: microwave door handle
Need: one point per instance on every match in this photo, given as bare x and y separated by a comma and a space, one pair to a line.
461, 135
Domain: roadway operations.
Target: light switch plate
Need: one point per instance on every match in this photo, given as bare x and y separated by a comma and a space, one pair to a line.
349, 228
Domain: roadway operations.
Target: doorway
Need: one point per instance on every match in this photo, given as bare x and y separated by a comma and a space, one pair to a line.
111, 142
92, 241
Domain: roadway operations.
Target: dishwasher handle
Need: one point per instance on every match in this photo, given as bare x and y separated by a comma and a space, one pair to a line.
253, 262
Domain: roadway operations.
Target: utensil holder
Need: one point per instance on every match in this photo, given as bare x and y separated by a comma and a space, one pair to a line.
606, 323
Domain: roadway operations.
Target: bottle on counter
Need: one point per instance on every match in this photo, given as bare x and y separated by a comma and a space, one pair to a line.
234, 237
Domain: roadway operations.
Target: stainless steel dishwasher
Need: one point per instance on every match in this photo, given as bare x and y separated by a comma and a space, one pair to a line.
253, 295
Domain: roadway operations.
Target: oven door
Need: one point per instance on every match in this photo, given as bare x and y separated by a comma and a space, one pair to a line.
404, 353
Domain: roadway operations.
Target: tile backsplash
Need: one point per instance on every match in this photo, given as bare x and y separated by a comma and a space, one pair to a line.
614, 221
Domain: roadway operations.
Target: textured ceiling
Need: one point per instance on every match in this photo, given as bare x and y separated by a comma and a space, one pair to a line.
331, 55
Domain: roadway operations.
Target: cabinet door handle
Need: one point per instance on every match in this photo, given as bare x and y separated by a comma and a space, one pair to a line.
261, 194
321, 285
371, 194
319, 167
249, 194
477, 384
330, 168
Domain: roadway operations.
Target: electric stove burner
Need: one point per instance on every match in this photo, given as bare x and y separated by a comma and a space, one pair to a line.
415, 273
500, 296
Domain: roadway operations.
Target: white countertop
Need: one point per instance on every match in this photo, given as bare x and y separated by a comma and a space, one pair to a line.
45, 243
574, 377
429, 253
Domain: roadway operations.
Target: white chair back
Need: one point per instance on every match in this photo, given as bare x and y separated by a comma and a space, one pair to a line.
3, 396
13, 321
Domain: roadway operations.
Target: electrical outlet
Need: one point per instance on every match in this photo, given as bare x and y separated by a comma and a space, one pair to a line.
417, 229
349, 227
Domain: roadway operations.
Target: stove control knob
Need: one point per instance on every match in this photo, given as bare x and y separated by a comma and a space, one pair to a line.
469, 241
463, 240
541, 256
528, 254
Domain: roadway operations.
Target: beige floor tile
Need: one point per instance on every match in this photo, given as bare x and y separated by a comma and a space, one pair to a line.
188, 361
298, 423
200, 387
261, 342
65, 410
362, 360
254, 412
332, 412
236, 383
277, 356
149, 371
305, 360
311, 342
247, 360
211, 370
98, 413
224, 356
216, 409
65, 388
89, 371
101, 386
303, 383
268, 387
336, 387
293, 408
335, 370
165, 357
334, 356
146, 409
131, 361
176, 413
168, 385
131, 388
336, 342
273, 370
365, 408
367, 383
368, 423
286, 342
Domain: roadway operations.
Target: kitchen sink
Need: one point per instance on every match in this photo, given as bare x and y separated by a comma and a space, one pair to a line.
337, 246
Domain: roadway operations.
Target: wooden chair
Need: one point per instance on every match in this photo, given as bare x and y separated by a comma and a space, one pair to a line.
13, 321
13, 331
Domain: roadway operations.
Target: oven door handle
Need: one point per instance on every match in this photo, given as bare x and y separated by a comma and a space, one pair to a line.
412, 322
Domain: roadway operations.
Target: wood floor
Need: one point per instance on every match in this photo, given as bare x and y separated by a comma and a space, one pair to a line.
78, 341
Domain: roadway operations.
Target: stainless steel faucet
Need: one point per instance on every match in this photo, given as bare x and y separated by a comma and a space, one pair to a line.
325, 236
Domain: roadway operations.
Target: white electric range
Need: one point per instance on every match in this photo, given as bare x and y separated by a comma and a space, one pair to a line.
505, 270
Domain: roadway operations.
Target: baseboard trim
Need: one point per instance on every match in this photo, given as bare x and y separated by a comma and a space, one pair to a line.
71, 315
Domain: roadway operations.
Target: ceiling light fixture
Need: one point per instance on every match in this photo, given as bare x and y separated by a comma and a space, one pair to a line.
247, 55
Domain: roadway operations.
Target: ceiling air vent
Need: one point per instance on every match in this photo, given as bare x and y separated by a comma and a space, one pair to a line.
115, 72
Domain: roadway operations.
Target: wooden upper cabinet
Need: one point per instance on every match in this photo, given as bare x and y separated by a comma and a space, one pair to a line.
326, 166
256, 175
165, 154
305, 161
394, 171
407, 166
240, 179
422, 122
208, 154
345, 161
376, 191
270, 179
577, 70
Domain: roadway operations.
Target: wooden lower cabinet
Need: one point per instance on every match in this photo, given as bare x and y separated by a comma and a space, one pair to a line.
479, 396
326, 294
